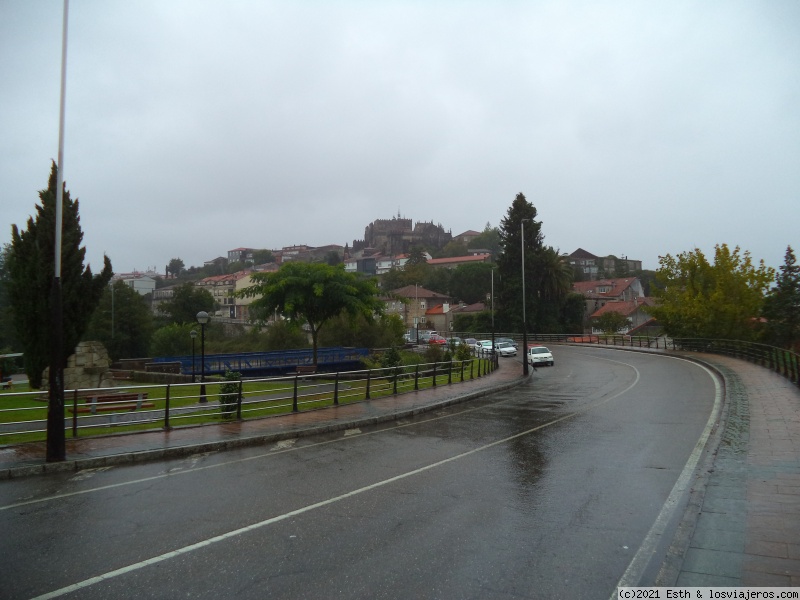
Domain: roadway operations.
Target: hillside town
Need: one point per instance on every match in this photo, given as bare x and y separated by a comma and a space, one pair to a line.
387, 245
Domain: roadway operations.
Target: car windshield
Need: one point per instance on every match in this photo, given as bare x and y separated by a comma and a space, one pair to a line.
540, 351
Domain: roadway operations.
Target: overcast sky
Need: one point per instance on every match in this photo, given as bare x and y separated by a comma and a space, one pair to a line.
195, 127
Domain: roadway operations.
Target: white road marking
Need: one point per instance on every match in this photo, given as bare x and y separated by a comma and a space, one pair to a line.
636, 568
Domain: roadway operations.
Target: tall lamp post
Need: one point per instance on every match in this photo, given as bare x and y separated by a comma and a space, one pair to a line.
203, 318
492, 306
416, 311
193, 335
524, 302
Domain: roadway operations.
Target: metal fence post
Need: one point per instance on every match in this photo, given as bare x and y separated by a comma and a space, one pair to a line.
239, 401
294, 398
369, 377
395, 377
434, 374
166, 408
416, 378
450, 373
75, 414
336, 390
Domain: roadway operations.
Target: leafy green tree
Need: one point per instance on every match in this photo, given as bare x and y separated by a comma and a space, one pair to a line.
471, 282
416, 257
572, 311
489, 239
648, 280
509, 265
553, 282
454, 248
262, 257
314, 293
285, 335
31, 266
612, 322
716, 301
174, 340
175, 266
382, 332
187, 300
782, 305
123, 322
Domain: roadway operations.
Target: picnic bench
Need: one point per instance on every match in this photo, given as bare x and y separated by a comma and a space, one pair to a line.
304, 370
113, 403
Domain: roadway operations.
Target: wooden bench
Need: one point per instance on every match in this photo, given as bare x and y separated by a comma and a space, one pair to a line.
114, 403
304, 370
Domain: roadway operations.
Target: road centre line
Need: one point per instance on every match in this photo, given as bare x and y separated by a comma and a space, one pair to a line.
248, 528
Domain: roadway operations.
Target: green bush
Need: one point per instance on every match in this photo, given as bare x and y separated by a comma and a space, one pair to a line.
229, 394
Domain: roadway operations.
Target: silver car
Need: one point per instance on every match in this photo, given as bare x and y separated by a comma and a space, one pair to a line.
505, 349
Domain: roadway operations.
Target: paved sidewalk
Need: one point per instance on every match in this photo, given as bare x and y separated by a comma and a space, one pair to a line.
742, 526
92, 452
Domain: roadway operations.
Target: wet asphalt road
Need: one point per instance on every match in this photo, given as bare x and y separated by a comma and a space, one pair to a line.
546, 491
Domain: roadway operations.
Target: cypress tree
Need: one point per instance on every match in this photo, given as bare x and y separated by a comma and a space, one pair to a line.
31, 272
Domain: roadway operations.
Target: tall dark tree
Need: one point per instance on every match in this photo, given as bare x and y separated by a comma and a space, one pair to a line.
31, 273
509, 265
554, 282
123, 322
187, 300
782, 305
471, 283
7, 334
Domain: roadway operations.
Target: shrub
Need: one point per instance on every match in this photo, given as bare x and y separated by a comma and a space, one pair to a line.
229, 394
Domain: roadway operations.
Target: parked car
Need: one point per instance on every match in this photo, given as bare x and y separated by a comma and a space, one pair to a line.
505, 349
539, 355
454, 342
508, 340
483, 346
437, 339
471, 342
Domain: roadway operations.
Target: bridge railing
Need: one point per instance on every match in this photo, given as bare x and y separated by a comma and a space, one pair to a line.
782, 361
128, 408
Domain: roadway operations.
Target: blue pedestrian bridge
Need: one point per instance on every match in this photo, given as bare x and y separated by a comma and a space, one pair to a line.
279, 362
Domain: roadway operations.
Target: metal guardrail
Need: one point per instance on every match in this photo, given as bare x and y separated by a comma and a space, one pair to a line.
171, 405
782, 361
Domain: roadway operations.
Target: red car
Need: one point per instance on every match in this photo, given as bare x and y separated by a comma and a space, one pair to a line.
437, 339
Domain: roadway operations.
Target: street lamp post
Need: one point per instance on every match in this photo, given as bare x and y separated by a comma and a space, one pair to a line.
193, 335
416, 311
524, 302
492, 306
203, 318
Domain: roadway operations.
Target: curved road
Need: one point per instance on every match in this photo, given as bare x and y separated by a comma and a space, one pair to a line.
555, 489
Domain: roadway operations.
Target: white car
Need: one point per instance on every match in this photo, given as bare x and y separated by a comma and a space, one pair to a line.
505, 349
483, 346
539, 355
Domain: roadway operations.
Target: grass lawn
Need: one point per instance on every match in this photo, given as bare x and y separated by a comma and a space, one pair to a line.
20, 408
